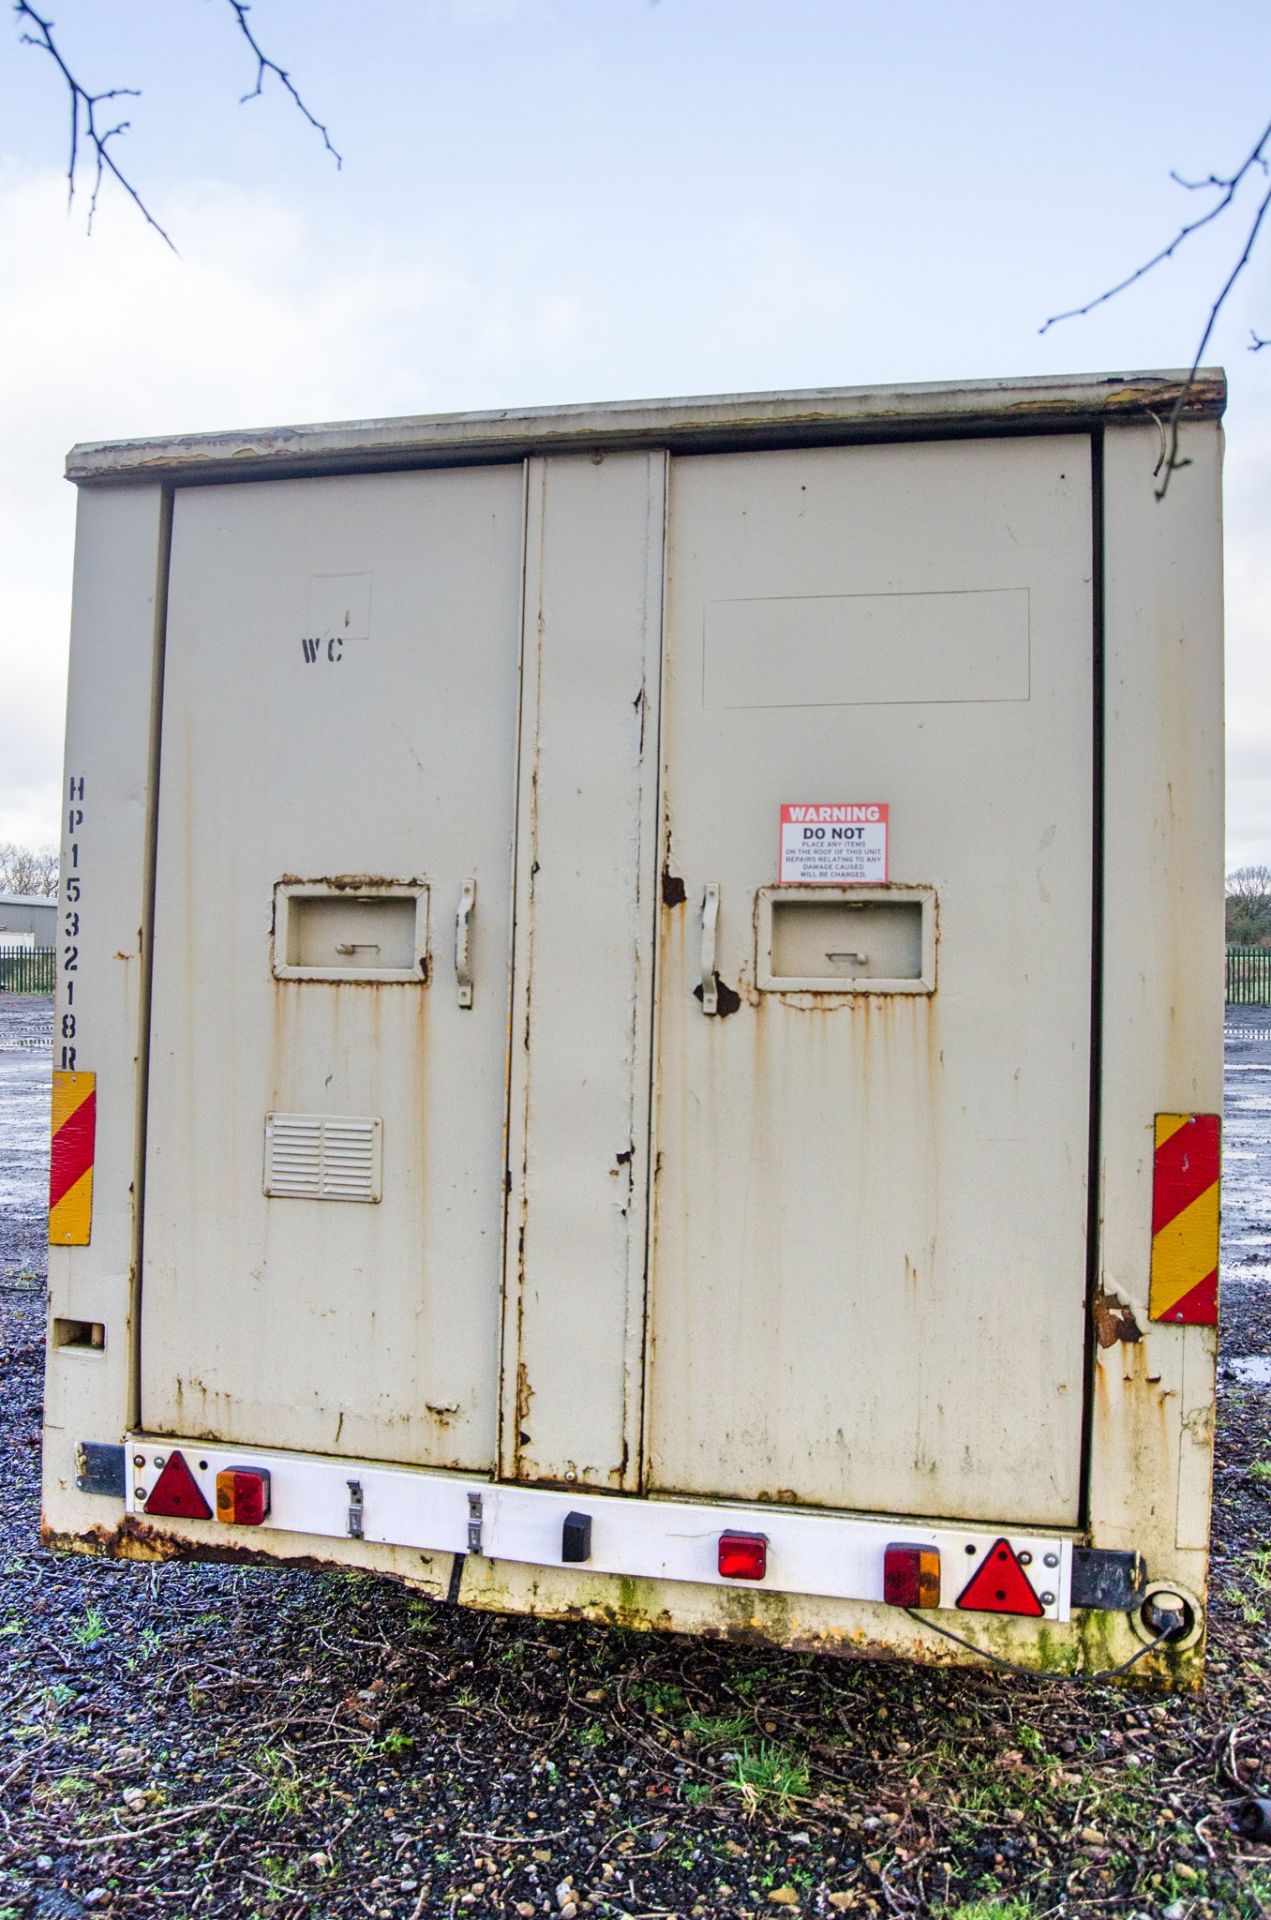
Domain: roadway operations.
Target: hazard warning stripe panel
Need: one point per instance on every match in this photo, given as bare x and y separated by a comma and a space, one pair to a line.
71, 1160
1184, 1281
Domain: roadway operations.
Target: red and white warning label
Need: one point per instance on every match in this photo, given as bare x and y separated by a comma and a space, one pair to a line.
833, 844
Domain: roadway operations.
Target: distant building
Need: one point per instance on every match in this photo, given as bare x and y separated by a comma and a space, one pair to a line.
27, 920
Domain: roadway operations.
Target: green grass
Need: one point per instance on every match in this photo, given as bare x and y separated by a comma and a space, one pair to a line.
990, 1910
64, 1788
90, 1629
765, 1774
395, 1743
661, 1696
1258, 1561
284, 1789
719, 1728
1252, 1902
1254, 1568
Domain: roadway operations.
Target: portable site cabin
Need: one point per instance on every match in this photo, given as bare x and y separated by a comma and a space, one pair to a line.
27, 920
639, 1012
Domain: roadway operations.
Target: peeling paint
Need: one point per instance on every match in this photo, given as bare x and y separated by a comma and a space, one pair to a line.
1114, 1320
728, 1000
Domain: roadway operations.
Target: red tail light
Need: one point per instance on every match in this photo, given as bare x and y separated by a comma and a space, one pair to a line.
242, 1495
743, 1556
911, 1576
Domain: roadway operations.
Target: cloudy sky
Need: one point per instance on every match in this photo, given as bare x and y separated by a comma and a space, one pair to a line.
565, 200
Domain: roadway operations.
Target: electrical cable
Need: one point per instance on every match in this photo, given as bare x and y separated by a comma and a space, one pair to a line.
1032, 1673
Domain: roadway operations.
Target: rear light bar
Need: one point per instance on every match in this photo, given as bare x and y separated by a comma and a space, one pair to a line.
840, 1557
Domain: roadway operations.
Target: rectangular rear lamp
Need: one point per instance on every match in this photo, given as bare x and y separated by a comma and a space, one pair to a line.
911, 1575
743, 1556
242, 1495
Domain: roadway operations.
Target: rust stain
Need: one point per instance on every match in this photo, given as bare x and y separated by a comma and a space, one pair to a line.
1114, 1320
136, 1539
524, 1394
673, 889
349, 882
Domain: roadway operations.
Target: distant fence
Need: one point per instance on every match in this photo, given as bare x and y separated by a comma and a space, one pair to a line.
30, 970
1249, 975
26, 969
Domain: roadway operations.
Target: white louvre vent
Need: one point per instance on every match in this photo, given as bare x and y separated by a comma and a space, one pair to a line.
316, 1156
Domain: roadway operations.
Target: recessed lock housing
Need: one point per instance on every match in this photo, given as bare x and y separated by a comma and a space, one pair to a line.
846, 939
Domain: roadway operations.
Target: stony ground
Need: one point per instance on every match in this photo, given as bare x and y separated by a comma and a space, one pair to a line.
182, 1741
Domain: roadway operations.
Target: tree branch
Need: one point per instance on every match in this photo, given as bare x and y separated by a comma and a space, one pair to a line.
84, 104
84, 107
1173, 462
1230, 187
264, 65
1227, 186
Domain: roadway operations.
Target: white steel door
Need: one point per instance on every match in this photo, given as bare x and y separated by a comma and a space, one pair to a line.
869, 1245
325, 1167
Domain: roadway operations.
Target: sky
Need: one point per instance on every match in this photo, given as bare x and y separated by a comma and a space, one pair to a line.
549, 201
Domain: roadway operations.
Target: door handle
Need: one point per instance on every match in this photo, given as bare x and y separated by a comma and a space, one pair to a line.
710, 931
463, 941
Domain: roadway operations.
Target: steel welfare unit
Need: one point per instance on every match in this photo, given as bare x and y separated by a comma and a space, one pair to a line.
639, 1012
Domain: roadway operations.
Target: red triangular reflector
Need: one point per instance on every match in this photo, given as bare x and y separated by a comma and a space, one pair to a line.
1000, 1585
176, 1493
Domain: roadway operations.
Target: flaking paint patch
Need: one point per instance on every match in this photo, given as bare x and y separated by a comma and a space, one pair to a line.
1114, 1320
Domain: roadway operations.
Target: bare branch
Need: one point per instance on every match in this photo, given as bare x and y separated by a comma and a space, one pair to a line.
1227, 186
84, 105
264, 65
1230, 186
1173, 463
85, 131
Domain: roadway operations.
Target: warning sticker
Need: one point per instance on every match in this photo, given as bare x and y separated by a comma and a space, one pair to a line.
832, 844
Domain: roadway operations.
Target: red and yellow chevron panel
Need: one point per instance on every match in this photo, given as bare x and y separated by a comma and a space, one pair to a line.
71, 1166
1184, 1289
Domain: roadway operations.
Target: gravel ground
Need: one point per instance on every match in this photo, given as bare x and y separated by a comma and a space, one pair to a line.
185, 1741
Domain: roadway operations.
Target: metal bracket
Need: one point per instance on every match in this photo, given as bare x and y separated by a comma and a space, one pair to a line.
100, 1469
355, 1509
710, 930
1106, 1579
463, 941
474, 1523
